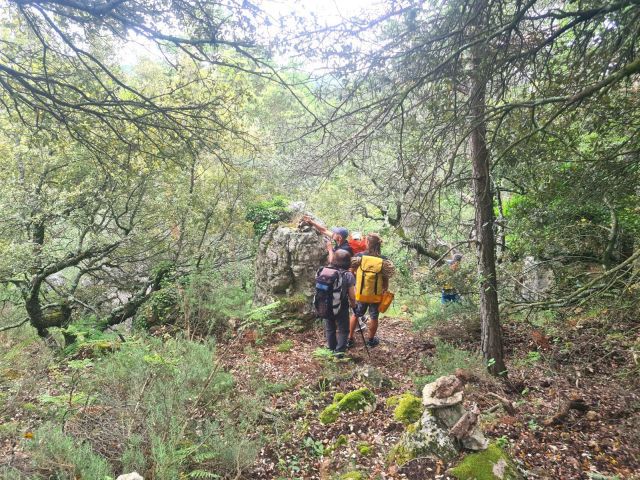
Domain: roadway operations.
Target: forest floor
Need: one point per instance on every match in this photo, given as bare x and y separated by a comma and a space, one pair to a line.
602, 440
581, 358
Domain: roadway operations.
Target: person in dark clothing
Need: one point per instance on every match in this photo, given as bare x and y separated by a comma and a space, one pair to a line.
339, 236
337, 328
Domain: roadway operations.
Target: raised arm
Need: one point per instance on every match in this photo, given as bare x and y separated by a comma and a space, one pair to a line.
321, 229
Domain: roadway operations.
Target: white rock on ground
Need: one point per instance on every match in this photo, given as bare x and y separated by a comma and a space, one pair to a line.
130, 476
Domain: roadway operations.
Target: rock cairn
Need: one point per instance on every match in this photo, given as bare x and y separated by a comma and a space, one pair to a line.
446, 426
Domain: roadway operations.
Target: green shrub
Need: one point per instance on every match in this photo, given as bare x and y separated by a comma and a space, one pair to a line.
461, 315
164, 409
63, 458
10, 473
267, 213
209, 301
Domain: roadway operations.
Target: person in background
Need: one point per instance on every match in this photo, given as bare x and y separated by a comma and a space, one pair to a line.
338, 235
357, 243
386, 271
449, 291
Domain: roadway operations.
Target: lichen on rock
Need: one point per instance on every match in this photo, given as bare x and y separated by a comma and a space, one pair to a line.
426, 439
490, 464
361, 399
286, 264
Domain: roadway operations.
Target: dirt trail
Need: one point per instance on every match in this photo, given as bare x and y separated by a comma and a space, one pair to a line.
603, 441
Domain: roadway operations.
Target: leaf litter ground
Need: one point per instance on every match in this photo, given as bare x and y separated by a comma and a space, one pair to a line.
600, 443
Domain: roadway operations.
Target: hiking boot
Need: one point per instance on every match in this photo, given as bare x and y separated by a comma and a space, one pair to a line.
373, 342
351, 343
338, 355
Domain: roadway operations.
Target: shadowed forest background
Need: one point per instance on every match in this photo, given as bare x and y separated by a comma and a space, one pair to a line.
149, 149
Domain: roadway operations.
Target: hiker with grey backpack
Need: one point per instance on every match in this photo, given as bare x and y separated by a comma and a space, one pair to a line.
335, 293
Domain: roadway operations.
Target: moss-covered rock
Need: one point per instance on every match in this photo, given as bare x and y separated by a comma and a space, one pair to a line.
424, 438
361, 399
491, 464
329, 414
408, 409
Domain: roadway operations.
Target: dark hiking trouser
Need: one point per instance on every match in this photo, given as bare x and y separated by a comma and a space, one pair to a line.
337, 332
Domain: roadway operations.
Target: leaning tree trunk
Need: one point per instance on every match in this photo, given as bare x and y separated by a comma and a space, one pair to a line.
491, 342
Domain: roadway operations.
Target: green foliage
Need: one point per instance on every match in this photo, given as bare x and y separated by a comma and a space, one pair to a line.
151, 390
323, 353
533, 425
445, 362
354, 475
63, 458
86, 337
266, 213
436, 314
365, 449
10, 473
285, 346
502, 442
316, 447
162, 307
481, 465
210, 301
356, 400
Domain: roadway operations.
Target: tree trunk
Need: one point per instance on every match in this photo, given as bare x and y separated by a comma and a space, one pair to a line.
491, 342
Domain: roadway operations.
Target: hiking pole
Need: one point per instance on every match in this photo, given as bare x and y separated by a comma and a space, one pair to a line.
362, 333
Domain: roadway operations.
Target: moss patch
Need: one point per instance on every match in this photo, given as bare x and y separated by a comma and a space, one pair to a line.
409, 409
352, 476
365, 449
285, 346
491, 464
362, 399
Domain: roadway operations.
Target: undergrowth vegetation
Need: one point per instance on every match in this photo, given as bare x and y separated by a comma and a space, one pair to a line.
163, 407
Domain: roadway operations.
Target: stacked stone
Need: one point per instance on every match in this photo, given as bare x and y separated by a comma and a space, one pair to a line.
445, 427
443, 399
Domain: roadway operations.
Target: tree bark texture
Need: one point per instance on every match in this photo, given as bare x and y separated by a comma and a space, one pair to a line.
491, 342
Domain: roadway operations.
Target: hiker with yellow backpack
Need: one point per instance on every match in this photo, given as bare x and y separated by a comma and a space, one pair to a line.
373, 272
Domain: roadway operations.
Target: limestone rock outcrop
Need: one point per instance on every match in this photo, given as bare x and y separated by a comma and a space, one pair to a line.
286, 264
537, 280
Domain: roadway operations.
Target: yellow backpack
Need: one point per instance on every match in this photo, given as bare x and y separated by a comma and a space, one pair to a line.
369, 280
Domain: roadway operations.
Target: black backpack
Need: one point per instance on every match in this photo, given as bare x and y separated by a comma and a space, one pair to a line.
329, 292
